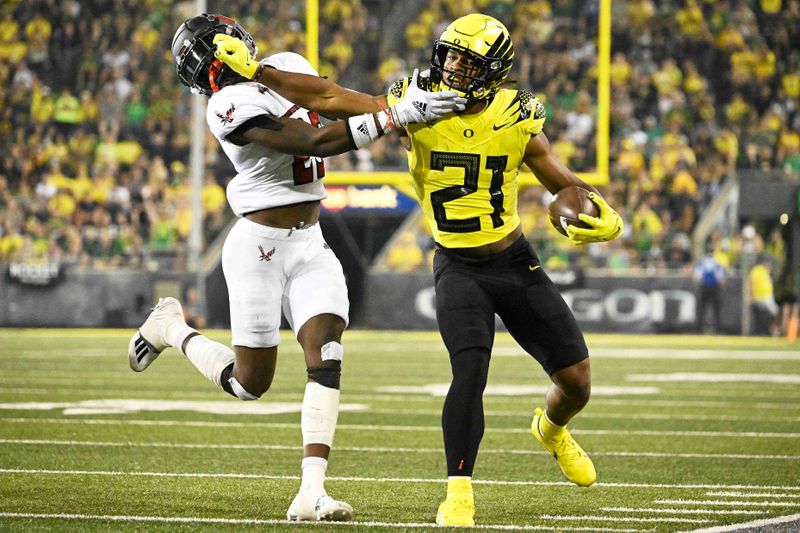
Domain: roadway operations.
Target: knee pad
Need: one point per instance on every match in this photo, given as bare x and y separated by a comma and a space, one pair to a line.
327, 376
239, 391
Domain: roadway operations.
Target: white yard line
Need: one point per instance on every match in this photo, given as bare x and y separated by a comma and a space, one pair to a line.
783, 406
738, 503
368, 395
522, 413
765, 523
24, 471
680, 511
667, 353
379, 449
260, 522
627, 519
715, 377
752, 494
377, 427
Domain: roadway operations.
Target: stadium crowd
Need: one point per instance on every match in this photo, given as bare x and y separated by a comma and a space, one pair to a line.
95, 128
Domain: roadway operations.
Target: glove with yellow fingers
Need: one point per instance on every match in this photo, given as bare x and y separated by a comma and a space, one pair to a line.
234, 53
607, 227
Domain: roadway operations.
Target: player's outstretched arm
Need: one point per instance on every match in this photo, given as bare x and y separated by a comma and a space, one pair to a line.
328, 98
554, 175
296, 137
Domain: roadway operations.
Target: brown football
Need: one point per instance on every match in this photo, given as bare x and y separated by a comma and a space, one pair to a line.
568, 203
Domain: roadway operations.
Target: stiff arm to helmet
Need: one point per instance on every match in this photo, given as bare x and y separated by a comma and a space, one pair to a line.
416, 106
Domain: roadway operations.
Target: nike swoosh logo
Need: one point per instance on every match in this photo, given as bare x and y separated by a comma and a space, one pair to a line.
533, 267
495, 127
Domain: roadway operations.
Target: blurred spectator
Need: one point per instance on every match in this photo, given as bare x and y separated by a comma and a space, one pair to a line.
405, 255
698, 88
709, 275
193, 312
787, 296
764, 307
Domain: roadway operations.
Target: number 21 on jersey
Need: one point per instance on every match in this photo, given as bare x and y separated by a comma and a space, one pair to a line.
471, 163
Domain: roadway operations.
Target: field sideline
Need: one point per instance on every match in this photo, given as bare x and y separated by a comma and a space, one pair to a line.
688, 433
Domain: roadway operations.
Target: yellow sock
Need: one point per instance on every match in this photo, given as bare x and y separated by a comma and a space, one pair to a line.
459, 485
550, 430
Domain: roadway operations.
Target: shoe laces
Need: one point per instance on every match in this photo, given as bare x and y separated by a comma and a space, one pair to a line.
568, 450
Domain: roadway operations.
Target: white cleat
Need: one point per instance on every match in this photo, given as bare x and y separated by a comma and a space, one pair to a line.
326, 509
149, 341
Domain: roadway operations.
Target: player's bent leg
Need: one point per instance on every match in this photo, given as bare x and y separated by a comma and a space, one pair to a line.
252, 374
568, 395
164, 327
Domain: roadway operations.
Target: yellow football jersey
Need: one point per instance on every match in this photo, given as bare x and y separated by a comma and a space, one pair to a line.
465, 167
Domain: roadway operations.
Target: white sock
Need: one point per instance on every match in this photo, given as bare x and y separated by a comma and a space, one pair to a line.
313, 482
177, 332
210, 357
320, 411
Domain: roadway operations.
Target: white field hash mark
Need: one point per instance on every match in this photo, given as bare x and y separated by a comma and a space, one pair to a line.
255, 521
377, 449
377, 427
388, 479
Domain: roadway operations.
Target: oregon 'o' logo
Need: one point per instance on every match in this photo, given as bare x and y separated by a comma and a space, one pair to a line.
468, 133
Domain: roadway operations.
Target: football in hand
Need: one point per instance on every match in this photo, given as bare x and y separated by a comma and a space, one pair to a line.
568, 203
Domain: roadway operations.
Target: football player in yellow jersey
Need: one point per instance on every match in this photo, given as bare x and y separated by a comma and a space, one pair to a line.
465, 168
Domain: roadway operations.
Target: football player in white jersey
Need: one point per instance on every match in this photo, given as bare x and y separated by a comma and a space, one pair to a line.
275, 258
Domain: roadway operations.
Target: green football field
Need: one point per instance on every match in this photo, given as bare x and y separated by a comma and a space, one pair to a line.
687, 433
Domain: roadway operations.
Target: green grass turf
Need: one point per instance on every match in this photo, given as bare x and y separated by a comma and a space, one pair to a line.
676, 456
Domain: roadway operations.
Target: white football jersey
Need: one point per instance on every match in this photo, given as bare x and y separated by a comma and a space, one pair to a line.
265, 178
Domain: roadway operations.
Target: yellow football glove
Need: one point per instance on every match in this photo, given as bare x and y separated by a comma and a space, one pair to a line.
234, 53
607, 227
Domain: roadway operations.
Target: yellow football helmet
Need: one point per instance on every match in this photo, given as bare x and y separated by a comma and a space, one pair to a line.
486, 43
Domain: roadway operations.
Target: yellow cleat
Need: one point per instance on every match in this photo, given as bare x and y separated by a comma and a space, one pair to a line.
456, 510
573, 461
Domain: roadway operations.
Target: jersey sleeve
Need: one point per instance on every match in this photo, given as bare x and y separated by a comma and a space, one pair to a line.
534, 109
229, 109
290, 62
396, 91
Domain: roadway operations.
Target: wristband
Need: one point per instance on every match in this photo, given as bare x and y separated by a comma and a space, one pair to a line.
363, 130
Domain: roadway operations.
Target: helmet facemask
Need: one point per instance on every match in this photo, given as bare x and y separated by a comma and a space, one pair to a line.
193, 50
